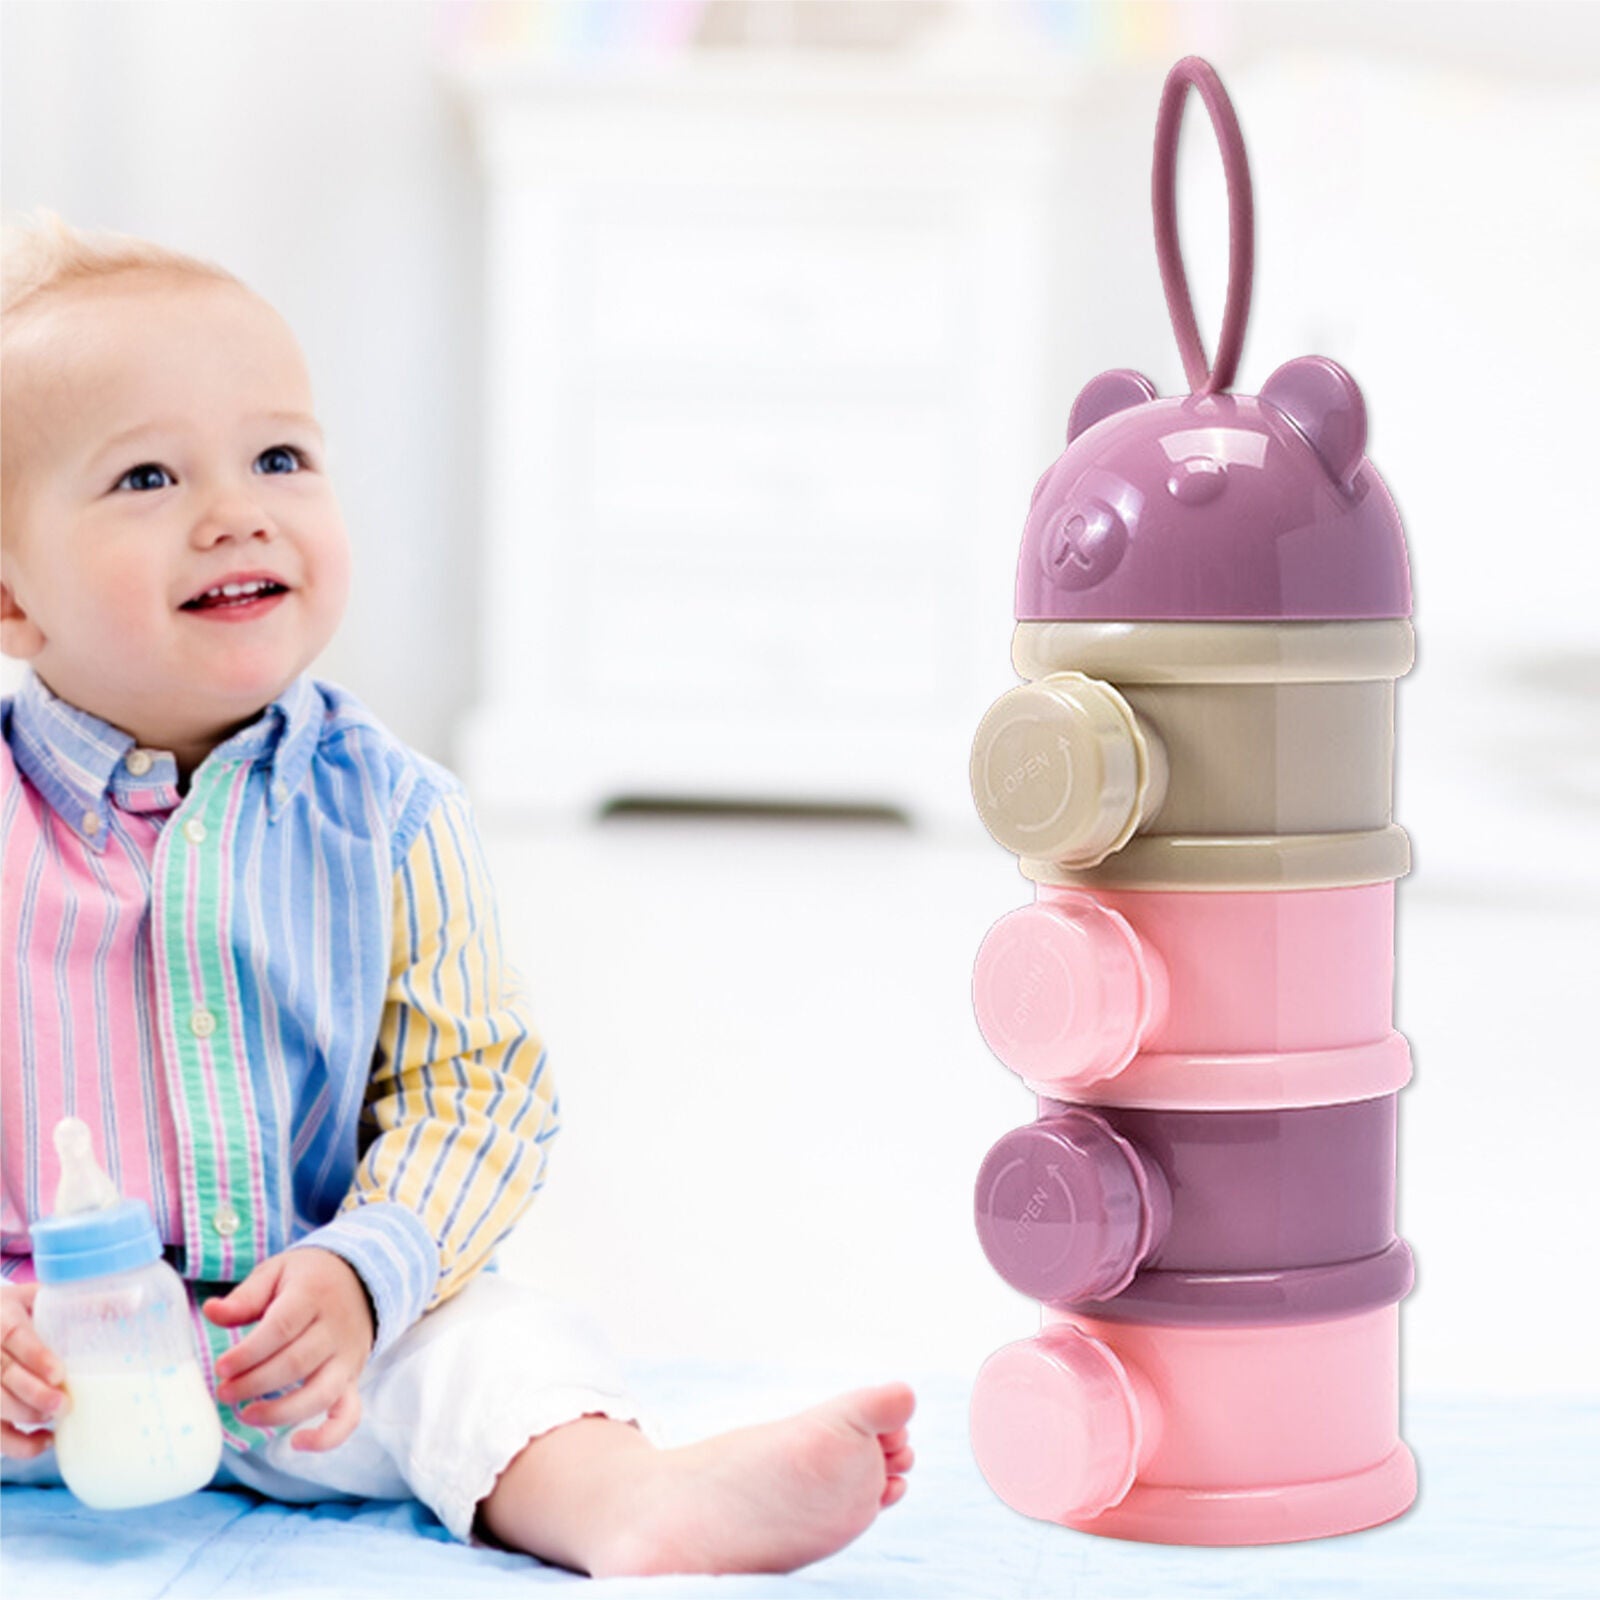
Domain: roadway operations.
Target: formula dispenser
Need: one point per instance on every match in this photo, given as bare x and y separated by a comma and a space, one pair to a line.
1213, 603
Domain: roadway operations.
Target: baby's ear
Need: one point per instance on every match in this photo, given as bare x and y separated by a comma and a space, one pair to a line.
19, 635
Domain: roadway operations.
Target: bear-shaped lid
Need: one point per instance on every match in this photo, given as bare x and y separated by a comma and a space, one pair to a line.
1213, 506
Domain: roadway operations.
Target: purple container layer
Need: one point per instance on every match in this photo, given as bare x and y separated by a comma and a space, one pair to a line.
1263, 1190
1071, 1207
1261, 1299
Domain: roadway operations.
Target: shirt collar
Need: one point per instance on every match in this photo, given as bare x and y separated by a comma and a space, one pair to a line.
82, 765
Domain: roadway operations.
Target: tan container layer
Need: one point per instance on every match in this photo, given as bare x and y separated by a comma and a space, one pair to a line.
1194, 729
1257, 758
1069, 768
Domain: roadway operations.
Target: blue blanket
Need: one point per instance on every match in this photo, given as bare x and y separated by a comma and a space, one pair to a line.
1507, 1507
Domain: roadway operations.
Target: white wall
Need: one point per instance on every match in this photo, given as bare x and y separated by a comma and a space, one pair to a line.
1426, 210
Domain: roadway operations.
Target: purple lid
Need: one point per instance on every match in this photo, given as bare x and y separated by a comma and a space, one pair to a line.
1266, 1189
1213, 506
1066, 1208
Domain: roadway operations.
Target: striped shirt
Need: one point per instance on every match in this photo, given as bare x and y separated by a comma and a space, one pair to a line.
278, 1000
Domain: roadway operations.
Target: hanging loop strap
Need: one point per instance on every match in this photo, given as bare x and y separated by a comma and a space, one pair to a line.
1195, 72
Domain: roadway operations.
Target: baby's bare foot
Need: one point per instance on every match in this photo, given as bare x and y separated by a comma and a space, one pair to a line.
773, 1497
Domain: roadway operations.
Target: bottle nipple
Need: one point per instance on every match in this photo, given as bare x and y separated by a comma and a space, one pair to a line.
84, 1185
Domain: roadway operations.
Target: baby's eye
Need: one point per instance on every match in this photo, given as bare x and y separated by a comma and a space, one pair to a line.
280, 458
143, 477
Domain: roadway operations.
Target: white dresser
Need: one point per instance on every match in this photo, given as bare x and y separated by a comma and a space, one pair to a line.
766, 350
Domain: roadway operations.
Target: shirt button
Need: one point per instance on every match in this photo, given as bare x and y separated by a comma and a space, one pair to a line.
280, 791
138, 762
202, 1024
90, 823
226, 1221
194, 830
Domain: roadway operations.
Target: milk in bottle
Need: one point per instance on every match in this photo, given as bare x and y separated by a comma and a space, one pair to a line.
140, 1426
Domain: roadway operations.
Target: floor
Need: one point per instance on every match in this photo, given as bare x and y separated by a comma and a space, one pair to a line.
1505, 1509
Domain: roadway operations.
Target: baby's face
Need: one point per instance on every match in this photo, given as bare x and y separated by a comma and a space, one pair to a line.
158, 442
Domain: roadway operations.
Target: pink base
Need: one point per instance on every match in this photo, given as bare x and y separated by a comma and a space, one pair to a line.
1155, 1514
1179, 1435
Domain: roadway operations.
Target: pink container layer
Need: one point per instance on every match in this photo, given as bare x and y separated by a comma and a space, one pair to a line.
1068, 990
1209, 1436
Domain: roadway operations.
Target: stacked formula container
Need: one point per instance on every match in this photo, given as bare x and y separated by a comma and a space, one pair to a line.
1213, 605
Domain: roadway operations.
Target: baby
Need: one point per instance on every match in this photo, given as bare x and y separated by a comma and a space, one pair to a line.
250, 939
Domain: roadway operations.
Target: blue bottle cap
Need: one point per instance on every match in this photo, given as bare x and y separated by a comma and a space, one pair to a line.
89, 1244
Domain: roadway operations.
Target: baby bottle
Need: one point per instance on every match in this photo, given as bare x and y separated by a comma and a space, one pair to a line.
141, 1426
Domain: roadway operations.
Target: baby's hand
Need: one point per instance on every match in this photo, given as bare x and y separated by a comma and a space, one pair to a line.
314, 1338
30, 1376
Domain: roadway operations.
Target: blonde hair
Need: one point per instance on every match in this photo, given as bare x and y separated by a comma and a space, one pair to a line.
44, 254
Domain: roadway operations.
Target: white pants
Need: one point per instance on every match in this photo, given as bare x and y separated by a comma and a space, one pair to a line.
444, 1410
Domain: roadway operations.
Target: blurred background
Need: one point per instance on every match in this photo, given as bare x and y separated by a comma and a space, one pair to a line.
687, 366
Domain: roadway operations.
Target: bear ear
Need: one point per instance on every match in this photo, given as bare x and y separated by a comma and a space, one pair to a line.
1111, 392
1322, 401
